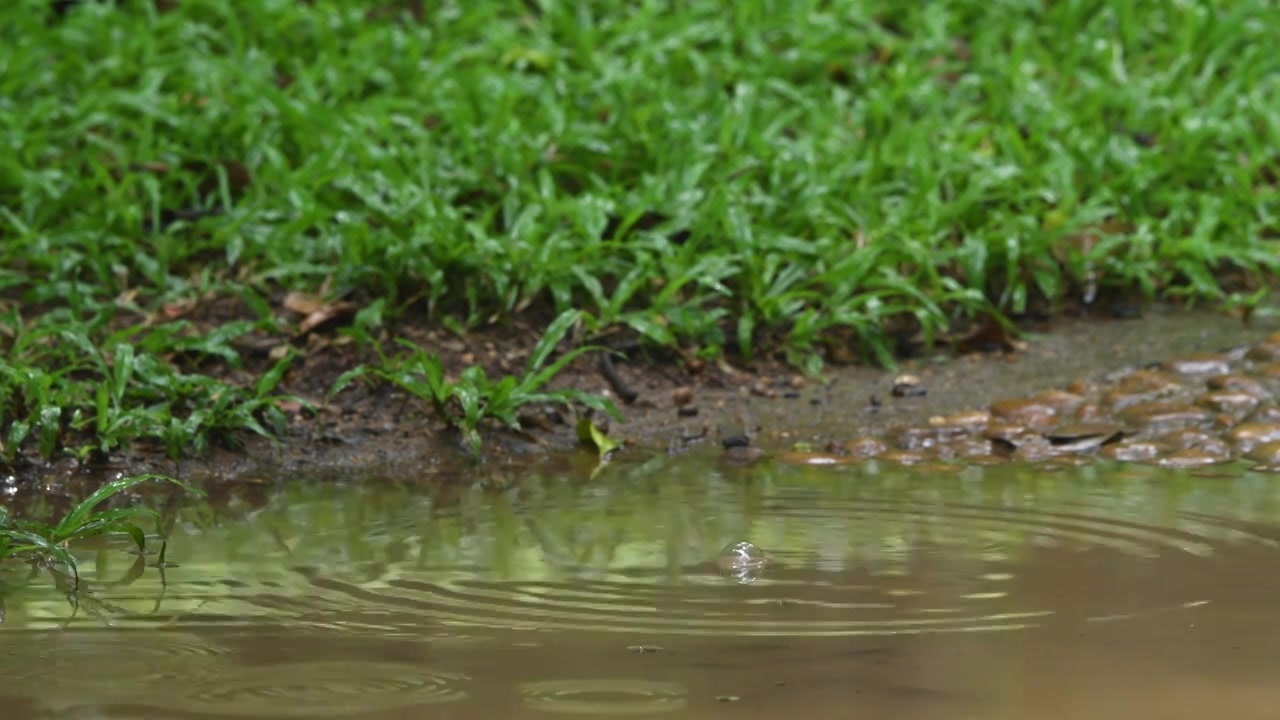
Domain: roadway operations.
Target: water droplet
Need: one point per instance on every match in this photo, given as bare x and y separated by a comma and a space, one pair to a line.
742, 555
743, 561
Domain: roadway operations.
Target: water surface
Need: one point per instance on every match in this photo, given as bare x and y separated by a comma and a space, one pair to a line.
997, 592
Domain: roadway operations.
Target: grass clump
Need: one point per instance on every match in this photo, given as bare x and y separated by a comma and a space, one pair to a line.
474, 398
42, 544
73, 385
810, 177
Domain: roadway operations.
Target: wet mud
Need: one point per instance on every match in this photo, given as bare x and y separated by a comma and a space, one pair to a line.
1057, 394
978, 406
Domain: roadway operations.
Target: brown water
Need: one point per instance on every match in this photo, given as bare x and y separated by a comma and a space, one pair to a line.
1000, 592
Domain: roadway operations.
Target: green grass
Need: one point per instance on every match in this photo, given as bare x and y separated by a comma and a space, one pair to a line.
46, 545
476, 398
724, 177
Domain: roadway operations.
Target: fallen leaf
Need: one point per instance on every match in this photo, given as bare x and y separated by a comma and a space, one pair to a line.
592, 435
303, 303
324, 315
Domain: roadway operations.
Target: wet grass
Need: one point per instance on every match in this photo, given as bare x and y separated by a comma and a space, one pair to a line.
475, 398
42, 544
807, 177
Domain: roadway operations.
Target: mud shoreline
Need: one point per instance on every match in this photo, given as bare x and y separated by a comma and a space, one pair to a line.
382, 432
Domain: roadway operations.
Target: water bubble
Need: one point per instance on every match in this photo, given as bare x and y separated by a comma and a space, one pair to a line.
742, 554
743, 561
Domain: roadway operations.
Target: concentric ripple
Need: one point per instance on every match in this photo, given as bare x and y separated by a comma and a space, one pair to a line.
599, 697
310, 689
35, 656
841, 553
874, 567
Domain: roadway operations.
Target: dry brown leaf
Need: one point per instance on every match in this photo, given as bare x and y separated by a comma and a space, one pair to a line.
325, 314
303, 303
175, 310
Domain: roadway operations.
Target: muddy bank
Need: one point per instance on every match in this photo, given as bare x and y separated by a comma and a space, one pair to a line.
380, 430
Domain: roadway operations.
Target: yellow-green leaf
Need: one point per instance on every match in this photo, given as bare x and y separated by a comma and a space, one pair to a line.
592, 435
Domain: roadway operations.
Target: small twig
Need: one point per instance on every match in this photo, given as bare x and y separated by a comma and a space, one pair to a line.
624, 391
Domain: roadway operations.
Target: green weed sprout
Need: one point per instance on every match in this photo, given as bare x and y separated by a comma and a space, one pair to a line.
476, 398
46, 544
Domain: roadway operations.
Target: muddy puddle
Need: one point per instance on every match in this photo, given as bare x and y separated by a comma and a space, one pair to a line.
877, 591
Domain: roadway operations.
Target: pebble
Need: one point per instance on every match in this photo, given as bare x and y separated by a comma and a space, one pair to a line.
815, 458
1190, 411
1239, 383
864, 447
1005, 431
1267, 351
923, 438
1035, 447
907, 386
1027, 411
1267, 453
1137, 387
1136, 451
1250, 435
1084, 437
970, 448
1062, 401
1091, 412
1165, 414
1184, 439
1228, 401
1198, 364
984, 460
903, 457
1264, 414
973, 420
1190, 458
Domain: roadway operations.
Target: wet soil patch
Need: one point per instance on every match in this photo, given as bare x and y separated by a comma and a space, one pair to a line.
1077, 385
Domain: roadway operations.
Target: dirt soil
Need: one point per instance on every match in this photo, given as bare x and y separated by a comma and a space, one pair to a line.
375, 429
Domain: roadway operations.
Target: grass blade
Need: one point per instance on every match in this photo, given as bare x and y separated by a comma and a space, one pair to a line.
83, 512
